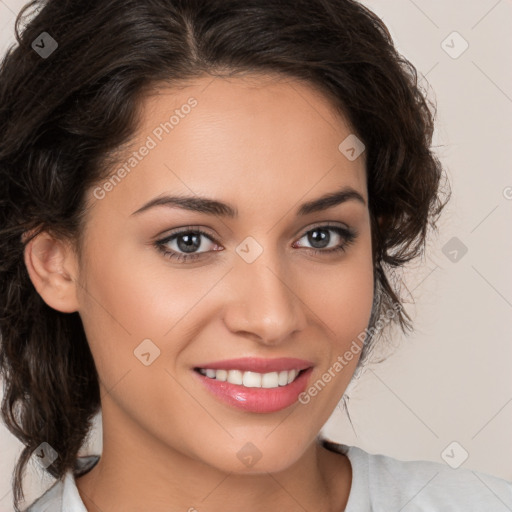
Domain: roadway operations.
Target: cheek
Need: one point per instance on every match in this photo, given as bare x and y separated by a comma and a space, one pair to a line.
342, 295
343, 304
131, 296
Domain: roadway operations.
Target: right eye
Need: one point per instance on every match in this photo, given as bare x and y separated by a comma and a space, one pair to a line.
186, 241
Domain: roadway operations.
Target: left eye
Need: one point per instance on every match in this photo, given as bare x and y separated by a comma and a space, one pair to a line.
189, 241
321, 237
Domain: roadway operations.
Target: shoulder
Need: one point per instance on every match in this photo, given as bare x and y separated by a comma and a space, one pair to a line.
50, 501
63, 494
382, 483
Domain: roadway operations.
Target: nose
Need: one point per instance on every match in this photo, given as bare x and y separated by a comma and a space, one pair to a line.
265, 300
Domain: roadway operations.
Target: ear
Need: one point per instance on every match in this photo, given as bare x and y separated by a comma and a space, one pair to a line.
52, 267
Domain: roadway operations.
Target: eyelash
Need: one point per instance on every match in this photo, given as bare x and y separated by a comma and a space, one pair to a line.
347, 234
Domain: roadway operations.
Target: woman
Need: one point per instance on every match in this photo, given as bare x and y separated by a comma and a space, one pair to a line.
201, 204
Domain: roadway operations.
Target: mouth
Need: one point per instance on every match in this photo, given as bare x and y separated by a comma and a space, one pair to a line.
248, 379
256, 385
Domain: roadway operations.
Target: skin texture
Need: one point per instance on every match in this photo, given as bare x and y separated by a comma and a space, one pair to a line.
265, 145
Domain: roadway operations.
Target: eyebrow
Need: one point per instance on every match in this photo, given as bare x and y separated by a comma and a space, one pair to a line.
214, 207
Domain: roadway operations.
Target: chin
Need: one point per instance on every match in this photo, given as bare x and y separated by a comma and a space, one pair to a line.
252, 458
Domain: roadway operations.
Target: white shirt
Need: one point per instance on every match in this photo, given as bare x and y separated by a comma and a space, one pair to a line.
379, 484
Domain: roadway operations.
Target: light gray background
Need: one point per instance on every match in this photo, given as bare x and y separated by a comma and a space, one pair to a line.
450, 380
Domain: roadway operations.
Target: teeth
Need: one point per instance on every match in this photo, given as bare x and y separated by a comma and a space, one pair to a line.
269, 380
252, 379
219, 375
291, 375
234, 376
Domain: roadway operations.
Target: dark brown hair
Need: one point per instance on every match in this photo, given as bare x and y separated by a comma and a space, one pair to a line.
63, 117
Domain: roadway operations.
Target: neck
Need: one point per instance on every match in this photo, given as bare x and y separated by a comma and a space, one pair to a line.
136, 475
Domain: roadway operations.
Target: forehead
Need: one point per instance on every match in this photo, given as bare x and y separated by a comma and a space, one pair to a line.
247, 109
239, 139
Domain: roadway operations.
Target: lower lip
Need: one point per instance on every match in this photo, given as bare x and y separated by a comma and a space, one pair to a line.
260, 400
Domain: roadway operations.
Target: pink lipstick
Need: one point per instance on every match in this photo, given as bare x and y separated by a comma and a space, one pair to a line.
255, 384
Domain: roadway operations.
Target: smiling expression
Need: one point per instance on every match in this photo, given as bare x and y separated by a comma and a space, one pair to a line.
250, 185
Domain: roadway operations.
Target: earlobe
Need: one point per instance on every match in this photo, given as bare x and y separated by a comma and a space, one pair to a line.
51, 265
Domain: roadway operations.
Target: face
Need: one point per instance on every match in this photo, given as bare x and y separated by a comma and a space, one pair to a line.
166, 290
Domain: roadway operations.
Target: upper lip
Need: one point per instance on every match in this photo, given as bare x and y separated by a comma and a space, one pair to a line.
259, 365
